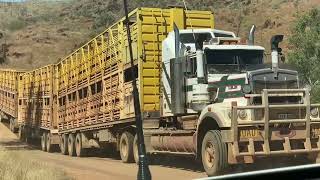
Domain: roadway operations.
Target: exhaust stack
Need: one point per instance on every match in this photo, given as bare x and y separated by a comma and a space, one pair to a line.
251, 35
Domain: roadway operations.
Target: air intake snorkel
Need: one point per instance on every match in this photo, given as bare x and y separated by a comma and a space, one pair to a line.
275, 53
200, 59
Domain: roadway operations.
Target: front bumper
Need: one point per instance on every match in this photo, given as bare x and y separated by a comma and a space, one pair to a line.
281, 136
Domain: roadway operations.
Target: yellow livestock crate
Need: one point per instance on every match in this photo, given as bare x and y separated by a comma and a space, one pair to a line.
8, 92
37, 94
95, 82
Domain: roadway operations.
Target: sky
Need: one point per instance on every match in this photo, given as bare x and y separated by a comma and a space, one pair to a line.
26, 0
12, 0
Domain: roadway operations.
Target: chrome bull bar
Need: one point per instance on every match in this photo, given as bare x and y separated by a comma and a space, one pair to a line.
266, 122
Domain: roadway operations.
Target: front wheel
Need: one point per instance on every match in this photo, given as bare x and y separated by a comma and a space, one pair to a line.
213, 153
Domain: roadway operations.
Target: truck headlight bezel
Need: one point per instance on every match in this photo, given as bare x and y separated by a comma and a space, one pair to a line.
242, 114
314, 112
246, 89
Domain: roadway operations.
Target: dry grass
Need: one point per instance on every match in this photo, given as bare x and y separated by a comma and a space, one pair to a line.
15, 165
40, 32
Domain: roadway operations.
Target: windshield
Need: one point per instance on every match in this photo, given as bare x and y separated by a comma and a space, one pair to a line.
232, 60
188, 38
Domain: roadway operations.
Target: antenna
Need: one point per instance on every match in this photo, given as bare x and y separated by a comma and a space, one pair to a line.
143, 171
185, 7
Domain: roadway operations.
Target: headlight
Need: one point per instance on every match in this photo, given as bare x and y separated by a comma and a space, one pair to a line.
314, 112
246, 89
242, 114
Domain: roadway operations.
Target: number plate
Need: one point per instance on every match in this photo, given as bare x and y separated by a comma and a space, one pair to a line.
284, 116
251, 133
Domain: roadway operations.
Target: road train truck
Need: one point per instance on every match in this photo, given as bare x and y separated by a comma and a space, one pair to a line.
203, 93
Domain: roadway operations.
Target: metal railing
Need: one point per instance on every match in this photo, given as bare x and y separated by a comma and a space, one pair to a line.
266, 122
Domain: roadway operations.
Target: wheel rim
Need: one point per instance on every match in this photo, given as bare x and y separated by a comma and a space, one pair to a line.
124, 148
209, 154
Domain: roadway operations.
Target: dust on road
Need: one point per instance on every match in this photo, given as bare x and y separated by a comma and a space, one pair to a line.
96, 168
163, 168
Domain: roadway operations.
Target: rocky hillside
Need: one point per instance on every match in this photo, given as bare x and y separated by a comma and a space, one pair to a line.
38, 33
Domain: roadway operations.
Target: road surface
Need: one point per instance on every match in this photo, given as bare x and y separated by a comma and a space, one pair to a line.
98, 167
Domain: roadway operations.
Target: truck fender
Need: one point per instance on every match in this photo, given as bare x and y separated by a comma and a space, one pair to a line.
206, 121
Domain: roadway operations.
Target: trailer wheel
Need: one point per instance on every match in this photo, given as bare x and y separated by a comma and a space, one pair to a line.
64, 144
21, 133
71, 147
49, 145
135, 149
80, 151
11, 126
43, 142
213, 153
126, 147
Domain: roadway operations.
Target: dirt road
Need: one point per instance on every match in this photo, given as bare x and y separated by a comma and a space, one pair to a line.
96, 168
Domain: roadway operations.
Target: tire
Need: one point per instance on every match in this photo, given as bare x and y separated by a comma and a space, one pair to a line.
80, 151
71, 146
135, 149
21, 134
11, 126
213, 153
44, 142
48, 143
126, 147
64, 144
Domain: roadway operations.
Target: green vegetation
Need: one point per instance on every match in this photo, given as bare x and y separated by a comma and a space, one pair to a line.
305, 46
16, 24
15, 165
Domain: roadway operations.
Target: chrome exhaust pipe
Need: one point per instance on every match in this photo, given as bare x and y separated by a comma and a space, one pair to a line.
251, 35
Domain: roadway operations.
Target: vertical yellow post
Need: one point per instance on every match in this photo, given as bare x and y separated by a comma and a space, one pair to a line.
178, 17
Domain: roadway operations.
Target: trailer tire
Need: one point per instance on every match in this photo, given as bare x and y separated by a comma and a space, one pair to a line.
21, 134
126, 147
213, 153
80, 151
48, 143
71, 145
64, 144
11, 126
44, 142
135, 149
